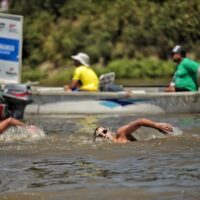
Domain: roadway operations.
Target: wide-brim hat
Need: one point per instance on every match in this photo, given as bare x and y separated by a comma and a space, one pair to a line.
83, 58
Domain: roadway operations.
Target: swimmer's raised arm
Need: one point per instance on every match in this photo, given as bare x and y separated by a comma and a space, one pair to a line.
133, 126
15, 122
9, 122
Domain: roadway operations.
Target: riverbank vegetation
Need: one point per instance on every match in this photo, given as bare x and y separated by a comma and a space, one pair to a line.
131, 37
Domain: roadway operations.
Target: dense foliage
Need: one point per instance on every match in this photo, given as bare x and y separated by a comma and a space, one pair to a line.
132, 37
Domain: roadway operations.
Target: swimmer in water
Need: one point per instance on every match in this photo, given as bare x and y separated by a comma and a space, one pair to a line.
124, 133
6, 123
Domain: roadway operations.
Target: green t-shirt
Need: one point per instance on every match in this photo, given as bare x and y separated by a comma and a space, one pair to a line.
185, 76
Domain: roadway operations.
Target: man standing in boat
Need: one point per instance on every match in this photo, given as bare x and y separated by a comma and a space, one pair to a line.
187, 72
84, 78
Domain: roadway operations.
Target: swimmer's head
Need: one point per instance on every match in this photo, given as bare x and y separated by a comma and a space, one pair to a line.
102, 132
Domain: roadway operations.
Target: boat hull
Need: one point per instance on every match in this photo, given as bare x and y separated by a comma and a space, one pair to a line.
60, 102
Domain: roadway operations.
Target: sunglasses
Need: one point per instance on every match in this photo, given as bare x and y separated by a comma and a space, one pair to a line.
102, 133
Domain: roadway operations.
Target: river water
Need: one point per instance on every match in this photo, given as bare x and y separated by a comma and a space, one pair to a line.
66, 164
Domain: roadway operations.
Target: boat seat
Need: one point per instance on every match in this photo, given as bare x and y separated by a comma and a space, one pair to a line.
106, 79
106, 83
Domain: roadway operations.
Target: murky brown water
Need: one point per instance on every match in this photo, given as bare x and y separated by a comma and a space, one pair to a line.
66, 164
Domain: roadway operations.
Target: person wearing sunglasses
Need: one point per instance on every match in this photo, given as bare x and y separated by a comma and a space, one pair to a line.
124, 133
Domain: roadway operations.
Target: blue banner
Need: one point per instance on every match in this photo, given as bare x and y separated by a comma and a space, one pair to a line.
9, 49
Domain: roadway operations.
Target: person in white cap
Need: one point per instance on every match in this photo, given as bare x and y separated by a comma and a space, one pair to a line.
187, 72
84, 77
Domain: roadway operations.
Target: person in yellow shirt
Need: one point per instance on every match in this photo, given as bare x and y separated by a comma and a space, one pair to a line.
84, 77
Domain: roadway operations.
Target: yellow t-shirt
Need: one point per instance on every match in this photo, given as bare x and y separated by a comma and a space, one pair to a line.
88, 78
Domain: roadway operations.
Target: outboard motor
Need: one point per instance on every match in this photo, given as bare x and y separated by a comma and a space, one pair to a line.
15, 97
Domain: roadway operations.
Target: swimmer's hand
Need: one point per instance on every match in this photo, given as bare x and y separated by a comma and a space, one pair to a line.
164, 127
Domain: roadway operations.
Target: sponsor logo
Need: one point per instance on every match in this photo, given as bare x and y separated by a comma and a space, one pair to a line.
4, 47
9, 49
2, 25
11, 72
13, 28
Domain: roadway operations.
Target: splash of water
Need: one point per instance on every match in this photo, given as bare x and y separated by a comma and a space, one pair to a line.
26, 133
79, 140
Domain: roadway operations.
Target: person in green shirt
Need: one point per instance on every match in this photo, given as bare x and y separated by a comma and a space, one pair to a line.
187, 71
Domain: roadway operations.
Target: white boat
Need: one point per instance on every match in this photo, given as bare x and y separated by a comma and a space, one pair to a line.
56, 101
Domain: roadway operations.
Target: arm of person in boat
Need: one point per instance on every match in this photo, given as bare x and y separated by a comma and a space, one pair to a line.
72, 85
9, 122
133, 126
171, 87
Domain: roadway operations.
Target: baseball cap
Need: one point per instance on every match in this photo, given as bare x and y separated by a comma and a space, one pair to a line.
178, 49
